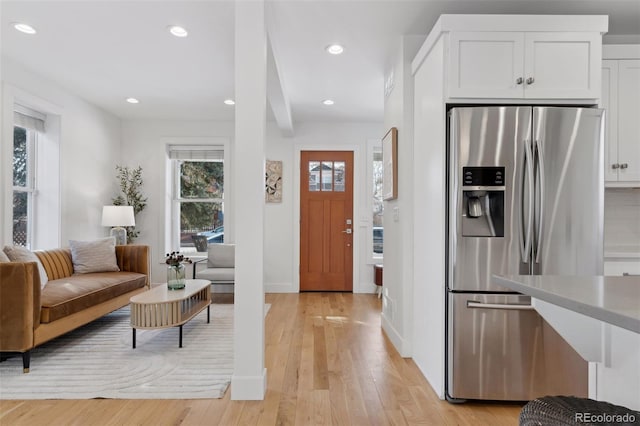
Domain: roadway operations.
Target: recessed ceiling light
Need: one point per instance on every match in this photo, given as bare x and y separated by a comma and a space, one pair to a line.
133, 101
24, 28
334, 49
229, 102
328, 102
178, 31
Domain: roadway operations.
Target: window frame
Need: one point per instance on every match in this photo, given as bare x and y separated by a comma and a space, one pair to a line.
177, 199
171, 217
373, 146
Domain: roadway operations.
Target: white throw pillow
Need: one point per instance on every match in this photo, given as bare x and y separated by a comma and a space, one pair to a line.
21, 254
3, 257
94, 256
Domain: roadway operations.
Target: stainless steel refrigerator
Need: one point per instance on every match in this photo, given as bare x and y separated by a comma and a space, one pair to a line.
525, 196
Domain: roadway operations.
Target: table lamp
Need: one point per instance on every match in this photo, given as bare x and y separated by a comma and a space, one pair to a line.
117, 217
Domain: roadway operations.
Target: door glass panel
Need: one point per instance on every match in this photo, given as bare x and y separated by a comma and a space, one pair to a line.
327, 175
338, 176
314, 176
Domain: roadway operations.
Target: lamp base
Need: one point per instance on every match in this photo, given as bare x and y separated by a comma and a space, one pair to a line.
120, 234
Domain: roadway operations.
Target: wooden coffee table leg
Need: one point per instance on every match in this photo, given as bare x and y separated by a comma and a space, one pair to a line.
208, 314
180, 342
134, 338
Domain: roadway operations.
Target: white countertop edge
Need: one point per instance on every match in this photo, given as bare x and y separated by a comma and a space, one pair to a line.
592, 311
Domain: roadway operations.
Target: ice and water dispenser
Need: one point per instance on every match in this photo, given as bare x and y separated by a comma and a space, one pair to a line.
482, 201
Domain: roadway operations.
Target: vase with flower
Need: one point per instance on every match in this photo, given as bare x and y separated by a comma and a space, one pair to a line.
176, 272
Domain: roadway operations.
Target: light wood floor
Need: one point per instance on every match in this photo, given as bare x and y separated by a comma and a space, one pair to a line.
328, 362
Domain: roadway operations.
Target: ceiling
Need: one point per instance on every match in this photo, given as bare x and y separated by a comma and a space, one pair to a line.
106, 51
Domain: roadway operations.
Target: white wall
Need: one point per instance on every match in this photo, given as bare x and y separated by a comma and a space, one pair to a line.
89, 148
397, 313
429, 226
143, 144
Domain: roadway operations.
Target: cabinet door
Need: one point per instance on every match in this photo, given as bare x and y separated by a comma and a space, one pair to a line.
486, 65
628, 120
629, 267
609, 101
562, 65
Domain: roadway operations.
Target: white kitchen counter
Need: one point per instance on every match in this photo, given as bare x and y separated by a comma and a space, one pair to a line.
614, 300
600, 317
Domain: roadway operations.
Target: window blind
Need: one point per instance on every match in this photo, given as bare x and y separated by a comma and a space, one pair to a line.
195, 152
27, 118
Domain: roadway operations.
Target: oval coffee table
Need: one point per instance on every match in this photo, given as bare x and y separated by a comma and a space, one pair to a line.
163, 308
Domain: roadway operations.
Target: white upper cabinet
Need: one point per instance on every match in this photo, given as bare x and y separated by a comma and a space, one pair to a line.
486, 65
609, 102
621, 100
629, 120
525, 65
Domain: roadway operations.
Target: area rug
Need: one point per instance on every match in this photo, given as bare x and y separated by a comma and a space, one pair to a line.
97, 361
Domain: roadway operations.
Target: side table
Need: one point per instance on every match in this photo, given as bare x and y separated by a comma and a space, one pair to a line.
377, 272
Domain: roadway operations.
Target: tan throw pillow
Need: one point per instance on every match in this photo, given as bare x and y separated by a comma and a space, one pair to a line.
21, 254
3, 257
94, 256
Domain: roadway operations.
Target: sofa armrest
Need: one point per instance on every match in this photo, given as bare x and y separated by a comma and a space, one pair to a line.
134, 258
19, 305
195, 263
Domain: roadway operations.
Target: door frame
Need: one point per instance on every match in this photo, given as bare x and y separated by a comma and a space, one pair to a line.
357, 223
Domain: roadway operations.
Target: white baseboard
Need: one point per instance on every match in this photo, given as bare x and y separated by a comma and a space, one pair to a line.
249, 388
395, 337
279, 288
365, 288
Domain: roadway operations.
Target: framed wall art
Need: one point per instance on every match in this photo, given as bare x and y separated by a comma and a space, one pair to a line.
390, 165
273, 182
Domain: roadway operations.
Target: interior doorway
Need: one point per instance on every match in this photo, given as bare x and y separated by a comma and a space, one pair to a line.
326, 221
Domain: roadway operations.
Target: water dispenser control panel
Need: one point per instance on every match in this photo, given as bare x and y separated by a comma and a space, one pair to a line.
483, 176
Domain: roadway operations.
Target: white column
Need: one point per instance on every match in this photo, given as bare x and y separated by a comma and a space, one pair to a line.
249, 378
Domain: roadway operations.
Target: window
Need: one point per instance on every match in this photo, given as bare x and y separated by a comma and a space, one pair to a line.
27, 124
377, 202
326, 176
198, 196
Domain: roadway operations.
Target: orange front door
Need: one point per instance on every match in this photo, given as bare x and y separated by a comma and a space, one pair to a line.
326, 221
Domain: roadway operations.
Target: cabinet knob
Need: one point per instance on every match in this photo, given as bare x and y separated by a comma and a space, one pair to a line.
530, 80
519, 80
624, 165
615, 166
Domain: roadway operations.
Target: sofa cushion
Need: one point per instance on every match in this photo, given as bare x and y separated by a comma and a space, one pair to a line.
69, 295
3, 257
56, 262
21, 254
221, 256
217, 274
94, 256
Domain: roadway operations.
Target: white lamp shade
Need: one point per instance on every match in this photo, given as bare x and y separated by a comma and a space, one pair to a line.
118, 216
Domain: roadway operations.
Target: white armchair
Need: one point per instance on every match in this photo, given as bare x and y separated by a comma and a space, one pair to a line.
220, 264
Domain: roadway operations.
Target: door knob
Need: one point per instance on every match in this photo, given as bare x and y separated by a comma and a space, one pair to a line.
519, 80
624, 165
530, 80
347, 231
615, 166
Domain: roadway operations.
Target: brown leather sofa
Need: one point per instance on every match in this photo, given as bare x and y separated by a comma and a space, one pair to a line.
30, 317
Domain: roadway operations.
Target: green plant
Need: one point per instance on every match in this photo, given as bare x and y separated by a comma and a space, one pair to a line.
130, 181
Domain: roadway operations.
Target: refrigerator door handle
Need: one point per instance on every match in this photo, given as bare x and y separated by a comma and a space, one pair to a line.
527, 179
504, 306
540, 180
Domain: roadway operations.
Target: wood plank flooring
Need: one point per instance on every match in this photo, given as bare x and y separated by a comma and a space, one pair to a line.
328, 363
